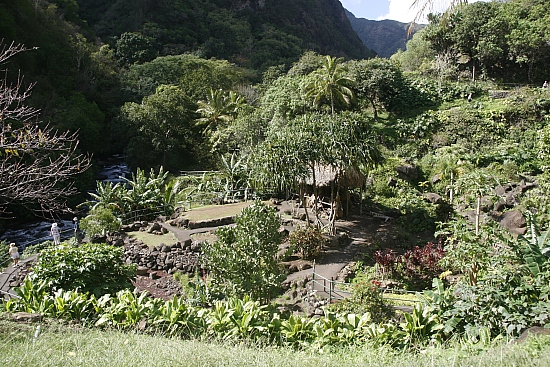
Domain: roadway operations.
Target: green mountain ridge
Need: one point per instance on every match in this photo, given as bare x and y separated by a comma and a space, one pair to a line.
385, 37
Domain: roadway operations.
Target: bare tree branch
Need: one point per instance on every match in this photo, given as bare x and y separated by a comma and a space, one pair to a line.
37, 165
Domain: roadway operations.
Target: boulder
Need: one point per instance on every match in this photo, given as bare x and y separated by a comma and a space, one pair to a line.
432, 197
532, 331
500, 205
486, 204
511, 200
525, 185
514, 221
26, 317
142, 270
407, 172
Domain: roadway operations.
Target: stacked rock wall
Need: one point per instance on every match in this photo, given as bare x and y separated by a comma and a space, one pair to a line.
180, 256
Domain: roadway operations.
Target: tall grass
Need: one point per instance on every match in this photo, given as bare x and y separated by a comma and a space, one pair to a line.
59, 345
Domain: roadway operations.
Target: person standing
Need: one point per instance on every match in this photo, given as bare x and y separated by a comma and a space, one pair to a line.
56, 234
76, 229
14, 254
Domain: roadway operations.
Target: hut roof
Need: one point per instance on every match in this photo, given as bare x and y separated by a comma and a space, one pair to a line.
325, 175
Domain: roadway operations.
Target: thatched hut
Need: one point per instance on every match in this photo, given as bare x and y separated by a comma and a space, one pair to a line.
329, 182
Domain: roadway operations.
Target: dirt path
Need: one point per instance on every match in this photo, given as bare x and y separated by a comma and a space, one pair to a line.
363, 232
7, 276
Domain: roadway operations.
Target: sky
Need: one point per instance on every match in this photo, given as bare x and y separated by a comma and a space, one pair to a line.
399, 10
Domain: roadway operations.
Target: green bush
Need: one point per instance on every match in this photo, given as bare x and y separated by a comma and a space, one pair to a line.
307, 240
244, 259
99, 222
366, 298
4, 256
503, 302
95, 268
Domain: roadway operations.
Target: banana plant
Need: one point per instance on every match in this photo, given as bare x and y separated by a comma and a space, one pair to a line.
536, 247
145, 192
108, 196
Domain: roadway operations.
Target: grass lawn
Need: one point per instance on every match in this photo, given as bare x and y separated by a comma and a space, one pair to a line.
59, 345
154, 239
216, 211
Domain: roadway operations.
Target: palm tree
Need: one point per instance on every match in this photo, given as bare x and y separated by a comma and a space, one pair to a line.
427, 6
219, 107
330, 82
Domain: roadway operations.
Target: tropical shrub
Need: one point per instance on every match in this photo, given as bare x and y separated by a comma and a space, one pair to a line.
472, 255
244, 259
503, 301
307, 241
99, 222
367, 297
416, 267
94, 268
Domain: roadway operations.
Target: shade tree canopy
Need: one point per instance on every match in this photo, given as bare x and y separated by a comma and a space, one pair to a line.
165, 123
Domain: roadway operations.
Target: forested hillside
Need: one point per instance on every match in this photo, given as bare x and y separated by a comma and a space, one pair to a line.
83, 48
183, 83
252, 34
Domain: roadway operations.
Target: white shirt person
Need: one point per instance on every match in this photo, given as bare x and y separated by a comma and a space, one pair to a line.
56, 234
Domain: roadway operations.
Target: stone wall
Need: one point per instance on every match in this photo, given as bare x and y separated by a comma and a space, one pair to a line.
180, 256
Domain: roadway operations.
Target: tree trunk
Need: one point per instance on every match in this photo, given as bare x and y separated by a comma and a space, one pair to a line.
348, 197
315, 200
305, 201
332, 215
374, 111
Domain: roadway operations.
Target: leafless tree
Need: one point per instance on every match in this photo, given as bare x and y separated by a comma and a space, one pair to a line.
37, 163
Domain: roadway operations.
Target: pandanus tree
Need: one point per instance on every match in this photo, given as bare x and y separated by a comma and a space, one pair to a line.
291, 155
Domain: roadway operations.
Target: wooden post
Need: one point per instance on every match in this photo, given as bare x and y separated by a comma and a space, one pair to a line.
313, 277
361, 200
478, 213
331, 289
